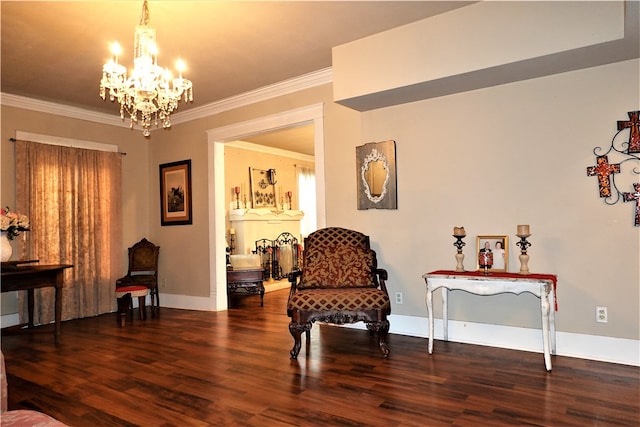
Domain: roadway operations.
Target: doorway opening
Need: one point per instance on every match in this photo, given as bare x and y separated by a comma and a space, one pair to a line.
311, 115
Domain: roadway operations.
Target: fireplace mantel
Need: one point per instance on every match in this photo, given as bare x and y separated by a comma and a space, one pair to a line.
251, 225
264, 214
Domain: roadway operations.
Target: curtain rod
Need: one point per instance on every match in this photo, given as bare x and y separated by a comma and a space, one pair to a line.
119, 152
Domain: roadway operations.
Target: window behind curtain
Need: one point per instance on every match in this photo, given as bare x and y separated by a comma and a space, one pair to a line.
73, 199
307, 199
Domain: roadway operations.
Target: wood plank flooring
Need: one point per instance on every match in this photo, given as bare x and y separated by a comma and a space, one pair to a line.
232, 368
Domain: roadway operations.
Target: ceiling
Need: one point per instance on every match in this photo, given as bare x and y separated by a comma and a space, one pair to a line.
54, 50
299, 139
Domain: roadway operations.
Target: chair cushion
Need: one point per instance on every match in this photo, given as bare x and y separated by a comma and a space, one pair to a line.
135, 291
344, 299
338, 267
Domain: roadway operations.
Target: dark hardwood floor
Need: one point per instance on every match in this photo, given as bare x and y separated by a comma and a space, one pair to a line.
232, 368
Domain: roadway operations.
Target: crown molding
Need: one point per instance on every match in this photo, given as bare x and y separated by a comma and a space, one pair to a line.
306, 81
48, 107
295, 84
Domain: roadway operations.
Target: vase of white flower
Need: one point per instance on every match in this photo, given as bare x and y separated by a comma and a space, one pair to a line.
11, 225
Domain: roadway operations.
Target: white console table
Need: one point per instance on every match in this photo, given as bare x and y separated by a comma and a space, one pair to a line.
541, 285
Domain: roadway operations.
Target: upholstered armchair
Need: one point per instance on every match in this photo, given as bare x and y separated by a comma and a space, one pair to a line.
340, 283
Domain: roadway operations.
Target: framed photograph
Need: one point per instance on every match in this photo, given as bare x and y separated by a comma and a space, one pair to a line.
493, 251
263, 190
175, 193
376, 175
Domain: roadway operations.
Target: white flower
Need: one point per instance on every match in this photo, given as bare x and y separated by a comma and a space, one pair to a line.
13, 223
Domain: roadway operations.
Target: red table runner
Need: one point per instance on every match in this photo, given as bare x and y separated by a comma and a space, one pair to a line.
551, 277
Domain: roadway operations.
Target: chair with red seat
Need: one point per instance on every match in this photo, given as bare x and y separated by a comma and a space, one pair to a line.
142, 275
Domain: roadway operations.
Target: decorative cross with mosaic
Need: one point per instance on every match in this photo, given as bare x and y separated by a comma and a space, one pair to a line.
621, 151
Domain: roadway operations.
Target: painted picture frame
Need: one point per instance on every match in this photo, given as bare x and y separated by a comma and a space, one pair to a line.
175, 193
376, 175
499, 247
263, 190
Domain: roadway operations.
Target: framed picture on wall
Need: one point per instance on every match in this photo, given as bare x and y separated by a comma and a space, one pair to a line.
263, 190
376, 175
493, 251
175, 193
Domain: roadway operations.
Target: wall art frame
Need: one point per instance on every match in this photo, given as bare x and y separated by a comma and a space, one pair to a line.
175, 193
263, 190
376, 175
500, 258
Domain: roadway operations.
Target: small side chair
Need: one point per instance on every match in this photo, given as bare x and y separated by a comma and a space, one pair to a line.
142, 272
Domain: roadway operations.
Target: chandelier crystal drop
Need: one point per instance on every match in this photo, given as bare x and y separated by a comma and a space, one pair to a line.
149, 94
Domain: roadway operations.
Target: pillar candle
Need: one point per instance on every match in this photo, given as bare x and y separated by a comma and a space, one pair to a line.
459, 231
523, 230
237, 190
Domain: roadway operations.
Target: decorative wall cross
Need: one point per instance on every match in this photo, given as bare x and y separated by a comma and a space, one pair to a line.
603, 169
634, 135
629, 197
622, 152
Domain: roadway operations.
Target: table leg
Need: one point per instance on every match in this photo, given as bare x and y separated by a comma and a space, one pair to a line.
552, 319
544, 307
30, 305
430, 311
445, 314
58, 304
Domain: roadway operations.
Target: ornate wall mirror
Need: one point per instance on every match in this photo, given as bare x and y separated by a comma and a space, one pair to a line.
376, 175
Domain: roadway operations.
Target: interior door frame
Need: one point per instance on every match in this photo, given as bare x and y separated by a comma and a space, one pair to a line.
216, 138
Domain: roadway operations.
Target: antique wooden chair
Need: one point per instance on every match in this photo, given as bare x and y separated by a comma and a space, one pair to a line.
339, 283
143, 270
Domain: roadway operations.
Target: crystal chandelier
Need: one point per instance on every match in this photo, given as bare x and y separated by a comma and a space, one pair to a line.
149, 94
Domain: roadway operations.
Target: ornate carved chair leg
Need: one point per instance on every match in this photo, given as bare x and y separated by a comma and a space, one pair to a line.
382, 337
372, 328
296, 330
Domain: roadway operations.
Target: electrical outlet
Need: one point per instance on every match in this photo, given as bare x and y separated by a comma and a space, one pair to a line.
398, 297
601, 314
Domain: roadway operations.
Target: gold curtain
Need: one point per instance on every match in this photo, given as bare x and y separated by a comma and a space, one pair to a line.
73, 198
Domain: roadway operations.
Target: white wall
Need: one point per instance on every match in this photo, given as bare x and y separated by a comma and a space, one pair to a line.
491, 159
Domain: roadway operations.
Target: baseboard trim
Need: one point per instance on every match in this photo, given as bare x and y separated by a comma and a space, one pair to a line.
592, 347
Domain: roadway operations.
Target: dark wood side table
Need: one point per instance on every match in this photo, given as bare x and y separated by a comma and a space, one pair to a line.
246, 281
16, 277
